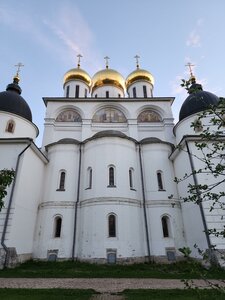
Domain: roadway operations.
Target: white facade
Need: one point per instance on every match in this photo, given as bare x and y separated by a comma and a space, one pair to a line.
98, 190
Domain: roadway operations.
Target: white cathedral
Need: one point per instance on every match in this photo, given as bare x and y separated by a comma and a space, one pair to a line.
98, 189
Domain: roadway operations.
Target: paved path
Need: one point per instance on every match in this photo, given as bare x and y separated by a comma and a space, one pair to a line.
102, 285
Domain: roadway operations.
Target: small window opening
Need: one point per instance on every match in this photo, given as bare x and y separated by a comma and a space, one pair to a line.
77, 91
165, 226
160, 182
134, 93
67, 91
85, 93
107, 94
112, 225
62, 181
111, 176
89, 178
58, 226
145, 91
131, 182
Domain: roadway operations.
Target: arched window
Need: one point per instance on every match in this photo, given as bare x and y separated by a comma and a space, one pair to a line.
109, 115
131, 178
145, 91
62, 179
57, 226
165, 226
10, 127
134, 93
67, 91
112, 225
160, 180
68, 115
111, 176
148, 116
89, 178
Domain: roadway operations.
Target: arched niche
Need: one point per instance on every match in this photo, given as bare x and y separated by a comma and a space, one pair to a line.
68, 115
148, 116
109, 115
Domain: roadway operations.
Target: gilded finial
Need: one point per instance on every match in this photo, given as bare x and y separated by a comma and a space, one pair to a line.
78, 61
137, 61
106, 62
16, 78
189, 65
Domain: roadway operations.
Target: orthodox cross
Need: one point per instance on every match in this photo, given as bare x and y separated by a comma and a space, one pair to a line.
137, 60
189, 65
78, 62
19, 65
106, 62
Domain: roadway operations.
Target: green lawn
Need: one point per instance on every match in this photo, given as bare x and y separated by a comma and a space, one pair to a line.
69, 269
174, 294
69, 294
43, 294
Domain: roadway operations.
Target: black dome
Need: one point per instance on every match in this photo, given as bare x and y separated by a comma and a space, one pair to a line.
12, 102
196, 102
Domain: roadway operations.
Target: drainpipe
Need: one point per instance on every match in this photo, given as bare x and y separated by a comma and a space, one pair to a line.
213, 258
144, 205
10, 204
76, 204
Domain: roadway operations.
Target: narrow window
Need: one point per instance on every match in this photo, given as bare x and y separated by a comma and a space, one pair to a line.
62, 181
112, 225
119, 95
89, 171
134, 93
77, 91
10, 127
131, 171
165, 226
58, 226
111, 176
67, 91
85, 93
144, 91
160, 182
96, 96
107, 94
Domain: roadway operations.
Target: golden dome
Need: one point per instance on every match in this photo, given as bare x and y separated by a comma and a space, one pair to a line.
79, 74
108, 77
139, 74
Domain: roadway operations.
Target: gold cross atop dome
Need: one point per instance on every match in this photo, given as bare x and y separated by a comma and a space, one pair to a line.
19, 65
137, 61
78, 61
16, 78
189, 65
106, 62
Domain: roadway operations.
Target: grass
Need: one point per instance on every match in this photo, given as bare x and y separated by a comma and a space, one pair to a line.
174, 294
43, 294
67, 294
69, 269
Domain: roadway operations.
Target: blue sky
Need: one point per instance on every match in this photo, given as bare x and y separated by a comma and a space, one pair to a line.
46, 36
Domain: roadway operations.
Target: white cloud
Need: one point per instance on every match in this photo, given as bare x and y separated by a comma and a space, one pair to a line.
64, 32
194, 38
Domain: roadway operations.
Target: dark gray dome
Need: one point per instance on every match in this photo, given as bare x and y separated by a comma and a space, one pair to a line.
12, 102
196, 102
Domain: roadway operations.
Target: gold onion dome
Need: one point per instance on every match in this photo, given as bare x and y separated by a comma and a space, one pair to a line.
108, 77
77, 74
139, 75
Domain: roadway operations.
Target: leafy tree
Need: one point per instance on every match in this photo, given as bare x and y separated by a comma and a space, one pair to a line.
6, 178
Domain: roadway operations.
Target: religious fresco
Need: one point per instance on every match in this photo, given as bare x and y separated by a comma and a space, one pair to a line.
148, 116
109, 115
68, 116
